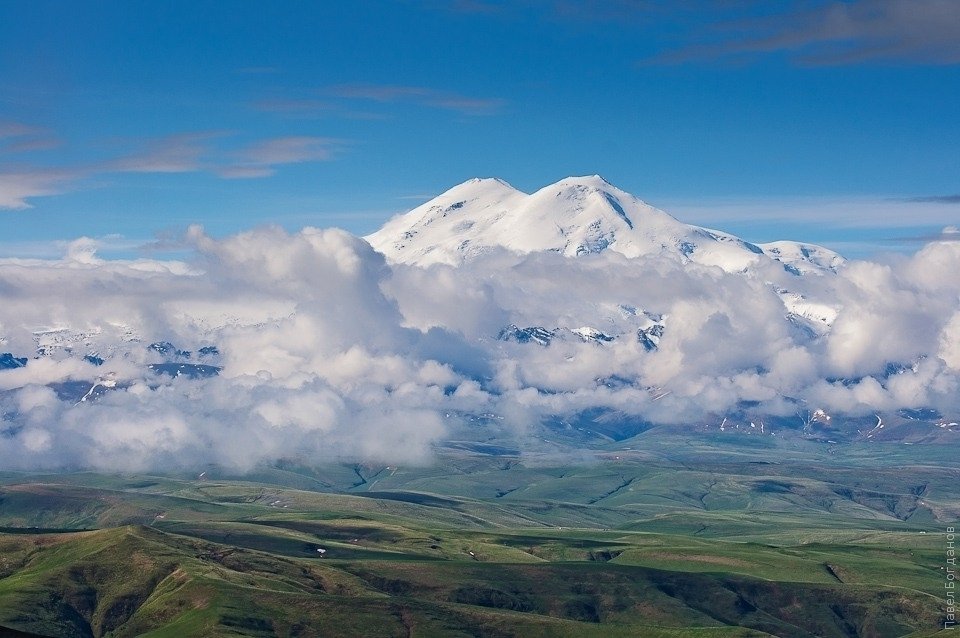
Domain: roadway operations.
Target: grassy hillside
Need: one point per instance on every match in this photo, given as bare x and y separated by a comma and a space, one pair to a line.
134, 579
708, 542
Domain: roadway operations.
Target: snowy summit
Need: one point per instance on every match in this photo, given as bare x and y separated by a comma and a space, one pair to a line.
573, 217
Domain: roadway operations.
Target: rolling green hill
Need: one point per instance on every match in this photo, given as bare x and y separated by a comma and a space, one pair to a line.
708, 541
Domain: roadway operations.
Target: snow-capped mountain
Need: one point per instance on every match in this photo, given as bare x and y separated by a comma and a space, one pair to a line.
802, 259
575, 216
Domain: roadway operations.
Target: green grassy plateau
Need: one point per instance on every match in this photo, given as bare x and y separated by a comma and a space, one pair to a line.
656, 536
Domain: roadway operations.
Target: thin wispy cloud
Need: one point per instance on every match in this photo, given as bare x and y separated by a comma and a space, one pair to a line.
466, 105
839, 212
290, 150
820, 32
423, 96
296, 107
833, 33
196, 152
27, 145
568, 10
16, 137
935, 199
18, 186
950, 233
636, 12
309, 108
16, 129
262, 158
181, 153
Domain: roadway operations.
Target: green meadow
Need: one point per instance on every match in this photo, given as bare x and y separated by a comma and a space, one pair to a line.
691, 538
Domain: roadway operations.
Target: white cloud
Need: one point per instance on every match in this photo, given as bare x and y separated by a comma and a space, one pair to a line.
950, 342
328, 352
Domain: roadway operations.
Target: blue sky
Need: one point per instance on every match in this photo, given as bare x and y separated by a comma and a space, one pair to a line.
832, 122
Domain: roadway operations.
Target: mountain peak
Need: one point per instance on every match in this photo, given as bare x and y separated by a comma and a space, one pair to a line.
487, 180
479, 186
592, 181
575, 216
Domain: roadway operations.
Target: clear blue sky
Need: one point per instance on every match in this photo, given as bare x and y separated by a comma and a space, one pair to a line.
834, 122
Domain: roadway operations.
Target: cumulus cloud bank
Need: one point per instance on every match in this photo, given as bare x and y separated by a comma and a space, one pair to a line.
327, 352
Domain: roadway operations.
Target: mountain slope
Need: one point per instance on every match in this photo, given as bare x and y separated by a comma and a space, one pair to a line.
575, 216
801, 258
